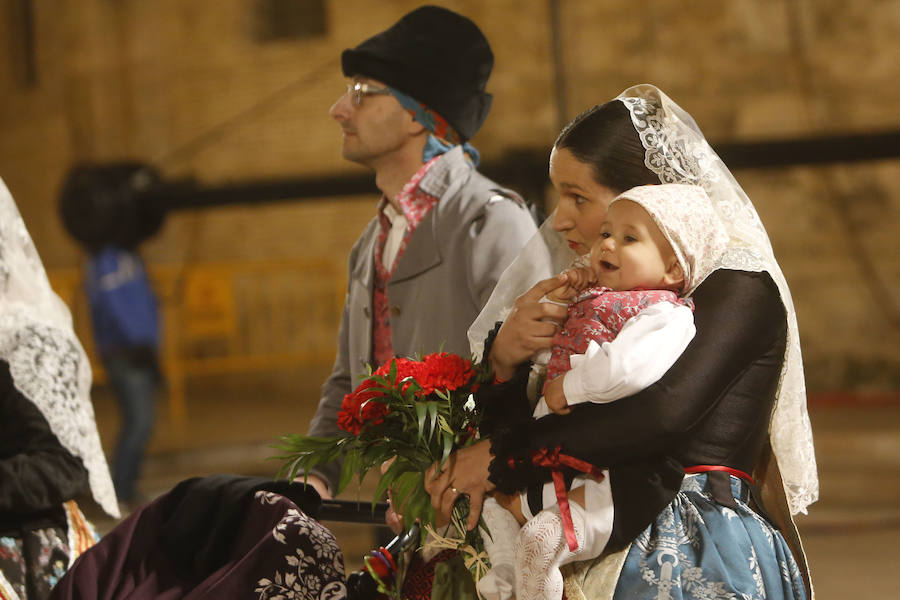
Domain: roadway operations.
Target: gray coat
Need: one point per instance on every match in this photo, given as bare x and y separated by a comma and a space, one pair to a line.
443, 279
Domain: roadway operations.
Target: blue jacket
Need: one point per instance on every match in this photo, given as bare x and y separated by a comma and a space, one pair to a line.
123, 307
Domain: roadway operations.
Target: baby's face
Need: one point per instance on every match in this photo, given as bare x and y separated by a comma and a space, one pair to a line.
632, 252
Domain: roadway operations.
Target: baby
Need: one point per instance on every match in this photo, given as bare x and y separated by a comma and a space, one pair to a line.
629, 319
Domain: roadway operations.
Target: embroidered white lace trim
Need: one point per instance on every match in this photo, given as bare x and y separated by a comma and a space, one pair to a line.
539, 548
46, 360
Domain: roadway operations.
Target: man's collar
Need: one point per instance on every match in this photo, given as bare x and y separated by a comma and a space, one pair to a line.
407, 196
451, 168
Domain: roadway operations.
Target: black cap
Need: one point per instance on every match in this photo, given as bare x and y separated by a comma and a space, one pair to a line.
436, 56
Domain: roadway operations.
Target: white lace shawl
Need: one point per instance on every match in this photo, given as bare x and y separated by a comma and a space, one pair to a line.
46, 360
677, 152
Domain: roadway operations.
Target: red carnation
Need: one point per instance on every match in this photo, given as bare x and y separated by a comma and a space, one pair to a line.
405, 368
443, 371
438, 371
360, 408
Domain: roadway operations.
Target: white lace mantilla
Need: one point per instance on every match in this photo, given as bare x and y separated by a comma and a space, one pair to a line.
677, 152
46, 360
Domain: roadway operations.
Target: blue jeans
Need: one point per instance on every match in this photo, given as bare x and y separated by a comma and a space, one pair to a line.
135, 387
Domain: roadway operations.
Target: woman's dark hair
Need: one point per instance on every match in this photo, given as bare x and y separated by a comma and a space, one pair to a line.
605, 138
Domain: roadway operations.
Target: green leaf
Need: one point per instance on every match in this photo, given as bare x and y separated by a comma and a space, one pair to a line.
421, 414
448, 447
409, 494
433, 414
348, 469
302, 453
417, 508
384, 484
445, 426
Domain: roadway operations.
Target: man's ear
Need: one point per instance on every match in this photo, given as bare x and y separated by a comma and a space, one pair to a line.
414, 128
674, 276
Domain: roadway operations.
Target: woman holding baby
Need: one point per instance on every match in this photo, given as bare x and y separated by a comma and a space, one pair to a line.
730, 413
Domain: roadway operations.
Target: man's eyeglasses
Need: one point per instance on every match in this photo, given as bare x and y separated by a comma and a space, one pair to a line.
358, 91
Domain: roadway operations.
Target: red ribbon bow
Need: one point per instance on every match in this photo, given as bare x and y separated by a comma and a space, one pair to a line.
555, 460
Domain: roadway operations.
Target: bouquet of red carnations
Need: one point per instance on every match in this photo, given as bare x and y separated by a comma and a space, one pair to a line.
415, 412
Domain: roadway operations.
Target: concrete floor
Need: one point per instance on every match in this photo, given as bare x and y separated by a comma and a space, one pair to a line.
851, 535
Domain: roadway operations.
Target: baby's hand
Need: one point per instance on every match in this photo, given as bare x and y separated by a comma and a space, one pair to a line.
581, 278
577, 279
555, 397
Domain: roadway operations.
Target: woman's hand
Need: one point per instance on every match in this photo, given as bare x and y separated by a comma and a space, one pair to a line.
465, 472
529, 327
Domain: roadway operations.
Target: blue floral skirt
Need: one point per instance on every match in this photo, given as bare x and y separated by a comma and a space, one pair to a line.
698, 549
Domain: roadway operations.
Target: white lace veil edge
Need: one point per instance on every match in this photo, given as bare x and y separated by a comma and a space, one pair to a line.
677, 152
46, 361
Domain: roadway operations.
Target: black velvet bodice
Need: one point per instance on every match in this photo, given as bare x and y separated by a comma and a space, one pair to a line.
712, 407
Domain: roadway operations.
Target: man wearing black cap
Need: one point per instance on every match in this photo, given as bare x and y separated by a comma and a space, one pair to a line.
426, 264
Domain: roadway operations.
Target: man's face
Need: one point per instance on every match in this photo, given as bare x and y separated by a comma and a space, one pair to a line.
373, 130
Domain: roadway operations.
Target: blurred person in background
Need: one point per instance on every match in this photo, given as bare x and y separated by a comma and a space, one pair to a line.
50, 450
126, 330
102, 208
443, 233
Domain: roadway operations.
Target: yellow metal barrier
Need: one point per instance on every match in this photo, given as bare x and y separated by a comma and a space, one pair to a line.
233, 317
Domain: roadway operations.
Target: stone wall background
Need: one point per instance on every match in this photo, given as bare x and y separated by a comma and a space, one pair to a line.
141, 80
